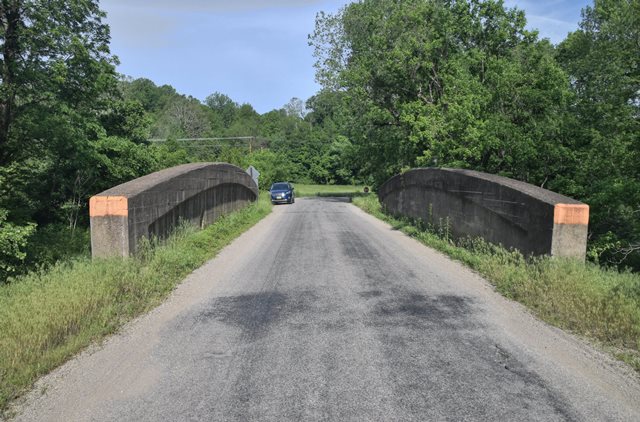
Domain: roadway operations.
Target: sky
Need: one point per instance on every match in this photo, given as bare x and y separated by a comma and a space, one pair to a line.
254, 51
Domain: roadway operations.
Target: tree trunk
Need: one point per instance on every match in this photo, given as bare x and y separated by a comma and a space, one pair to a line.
10, 19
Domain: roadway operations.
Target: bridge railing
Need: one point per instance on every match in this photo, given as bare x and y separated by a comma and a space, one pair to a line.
153, 205
500, 210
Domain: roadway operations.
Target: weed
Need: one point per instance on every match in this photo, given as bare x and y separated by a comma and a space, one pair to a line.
328, 190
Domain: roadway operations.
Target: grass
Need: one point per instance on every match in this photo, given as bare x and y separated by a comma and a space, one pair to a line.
598, 303
48, 316
328, 190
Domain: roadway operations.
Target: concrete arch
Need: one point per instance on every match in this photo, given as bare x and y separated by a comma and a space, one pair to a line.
153, 204
501, 210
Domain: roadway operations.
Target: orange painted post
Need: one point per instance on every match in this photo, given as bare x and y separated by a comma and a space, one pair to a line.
571, 214
102, 206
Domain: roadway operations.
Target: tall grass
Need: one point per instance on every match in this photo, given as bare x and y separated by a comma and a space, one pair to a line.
327, 190
599, 303
48, 316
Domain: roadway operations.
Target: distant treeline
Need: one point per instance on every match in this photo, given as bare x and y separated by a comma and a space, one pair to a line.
457, 83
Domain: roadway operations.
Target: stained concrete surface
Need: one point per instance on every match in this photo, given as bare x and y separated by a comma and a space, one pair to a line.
498, 209
321, 312
153, 205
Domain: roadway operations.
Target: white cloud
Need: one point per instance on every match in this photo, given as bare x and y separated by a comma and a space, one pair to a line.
140, 29
553, 18
211, 5
157, 24
554, 29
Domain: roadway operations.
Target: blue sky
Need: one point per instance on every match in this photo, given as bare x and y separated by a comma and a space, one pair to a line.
255, 51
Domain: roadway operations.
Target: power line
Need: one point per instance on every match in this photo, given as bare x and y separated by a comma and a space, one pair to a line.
192, 143
228, 138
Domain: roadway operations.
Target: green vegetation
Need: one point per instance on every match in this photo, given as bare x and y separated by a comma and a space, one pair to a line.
70, 127
598, 303
463, 83
457, 83
327, 190
48, 316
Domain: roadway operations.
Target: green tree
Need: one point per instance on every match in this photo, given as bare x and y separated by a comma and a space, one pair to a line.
55, 60
57, 77
127, 119
273, 167
152, 98
457, 83
246, 122
13, 242
462, 83
603, 60
223, 106
65, 130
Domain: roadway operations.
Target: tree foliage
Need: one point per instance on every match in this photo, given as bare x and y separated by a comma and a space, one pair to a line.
59, 107
459, 83
55, 62
602, 59
462, 83
13, 242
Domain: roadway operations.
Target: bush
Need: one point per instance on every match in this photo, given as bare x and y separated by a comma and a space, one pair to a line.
13, 241
56, 242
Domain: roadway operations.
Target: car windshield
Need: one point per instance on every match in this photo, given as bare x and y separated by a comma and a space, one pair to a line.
280, 186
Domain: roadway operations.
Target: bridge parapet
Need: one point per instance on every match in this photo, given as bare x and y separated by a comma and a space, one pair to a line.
153, 204
500, 210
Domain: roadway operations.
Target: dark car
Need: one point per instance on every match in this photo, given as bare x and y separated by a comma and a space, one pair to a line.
282, 192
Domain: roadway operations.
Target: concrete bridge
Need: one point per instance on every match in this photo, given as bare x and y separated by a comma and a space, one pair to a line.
321, 312
152, 205
501, 210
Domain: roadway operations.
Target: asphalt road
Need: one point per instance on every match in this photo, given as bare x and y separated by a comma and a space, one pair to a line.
321, 312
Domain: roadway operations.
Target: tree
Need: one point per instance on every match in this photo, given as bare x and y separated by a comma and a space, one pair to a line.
295, 108
459, 83
13, 241
57, 77
152, 98
273, 167
224, 106
603, 60
186, 118
127, 119
246, 122
55, 57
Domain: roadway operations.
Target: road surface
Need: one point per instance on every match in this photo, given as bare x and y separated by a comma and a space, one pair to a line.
323, 313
